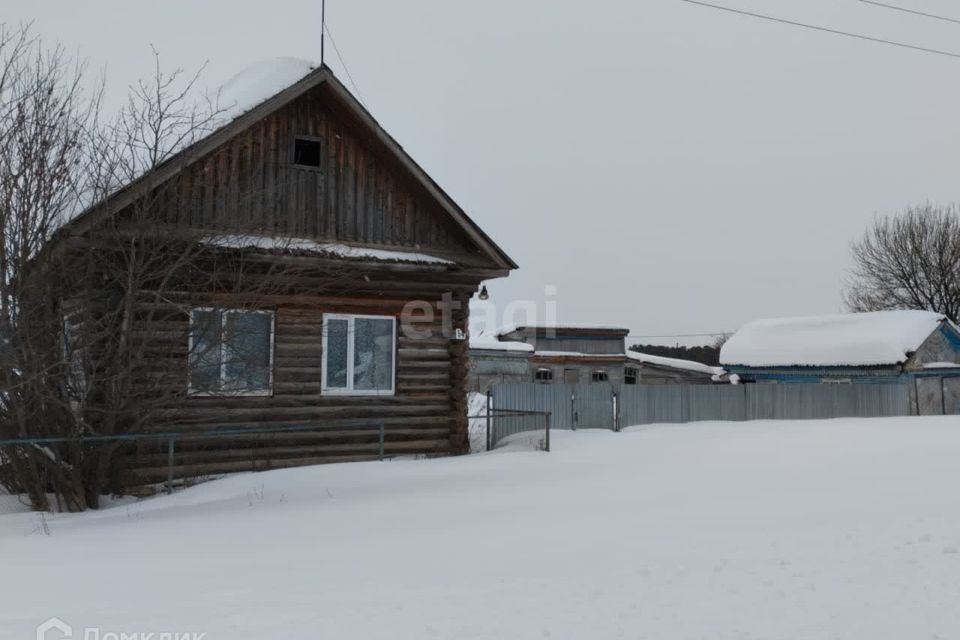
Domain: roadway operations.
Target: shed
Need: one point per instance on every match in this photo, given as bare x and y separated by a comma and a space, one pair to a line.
575, 354
880, 346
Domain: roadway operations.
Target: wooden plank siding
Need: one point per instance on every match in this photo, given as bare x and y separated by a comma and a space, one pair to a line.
358, 195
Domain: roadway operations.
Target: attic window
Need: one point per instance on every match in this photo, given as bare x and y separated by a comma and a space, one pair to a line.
306, 152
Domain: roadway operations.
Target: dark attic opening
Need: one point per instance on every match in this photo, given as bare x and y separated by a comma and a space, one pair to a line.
306, 152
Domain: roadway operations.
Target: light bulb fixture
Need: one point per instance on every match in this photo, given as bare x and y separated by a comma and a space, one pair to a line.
483, 293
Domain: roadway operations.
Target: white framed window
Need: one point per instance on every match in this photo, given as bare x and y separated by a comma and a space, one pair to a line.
230, 352
599, 376
631, 375
359, 355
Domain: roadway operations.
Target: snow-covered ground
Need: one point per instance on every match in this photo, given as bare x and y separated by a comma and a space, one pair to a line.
833, 529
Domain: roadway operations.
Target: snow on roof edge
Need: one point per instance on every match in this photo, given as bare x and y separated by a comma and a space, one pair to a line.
258, 82
854, 339
492, 344
269, 243
676, 363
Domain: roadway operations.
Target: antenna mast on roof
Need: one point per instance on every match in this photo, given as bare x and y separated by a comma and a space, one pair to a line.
323, 27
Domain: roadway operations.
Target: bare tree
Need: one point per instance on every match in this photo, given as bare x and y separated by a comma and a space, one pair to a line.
89, 321
719, 341
44, 121
909, 261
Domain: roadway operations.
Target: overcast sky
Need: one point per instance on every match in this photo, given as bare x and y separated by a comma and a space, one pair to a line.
668, 167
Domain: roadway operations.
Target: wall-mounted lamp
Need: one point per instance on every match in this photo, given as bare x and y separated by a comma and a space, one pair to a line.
483, 293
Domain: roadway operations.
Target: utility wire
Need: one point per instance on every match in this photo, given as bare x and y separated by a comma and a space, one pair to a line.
913, 11
336, 49
894, 43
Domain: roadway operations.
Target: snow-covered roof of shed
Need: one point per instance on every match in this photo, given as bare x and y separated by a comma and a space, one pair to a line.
259, 82
674, 363
853, 339
559, 326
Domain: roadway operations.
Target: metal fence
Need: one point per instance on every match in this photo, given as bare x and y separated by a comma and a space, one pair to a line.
607, 406
503, 423
170, 442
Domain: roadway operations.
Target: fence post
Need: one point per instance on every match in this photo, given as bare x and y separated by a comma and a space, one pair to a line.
546, 441
170, 465
487, 416
573, 410
380, 457
616, 412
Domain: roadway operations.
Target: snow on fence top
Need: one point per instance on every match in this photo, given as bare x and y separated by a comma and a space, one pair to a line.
675, 363
858, 339
259, 82
310, 246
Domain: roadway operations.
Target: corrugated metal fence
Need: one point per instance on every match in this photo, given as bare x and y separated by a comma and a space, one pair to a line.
607, 406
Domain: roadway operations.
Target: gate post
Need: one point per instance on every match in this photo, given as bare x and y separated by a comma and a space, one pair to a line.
616, 412
546, 418
573, 410
489, 403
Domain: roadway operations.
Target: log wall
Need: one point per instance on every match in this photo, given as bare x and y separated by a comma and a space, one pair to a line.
425, 416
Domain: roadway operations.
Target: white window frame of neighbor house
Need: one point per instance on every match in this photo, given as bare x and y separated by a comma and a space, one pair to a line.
224, 312
351, 353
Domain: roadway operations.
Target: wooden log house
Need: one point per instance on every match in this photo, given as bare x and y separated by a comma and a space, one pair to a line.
305, 184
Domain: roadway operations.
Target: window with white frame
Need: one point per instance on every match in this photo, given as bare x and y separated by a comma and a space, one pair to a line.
231, 352
359, 354
631, 375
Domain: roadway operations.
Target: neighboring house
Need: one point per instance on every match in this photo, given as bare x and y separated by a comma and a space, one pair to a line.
307, 180
883, 346
493, 362
575, 354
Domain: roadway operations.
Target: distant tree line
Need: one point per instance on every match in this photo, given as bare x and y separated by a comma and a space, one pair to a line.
705, 354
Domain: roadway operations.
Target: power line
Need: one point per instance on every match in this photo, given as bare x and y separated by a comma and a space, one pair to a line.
913, 11
894, 43
336, 50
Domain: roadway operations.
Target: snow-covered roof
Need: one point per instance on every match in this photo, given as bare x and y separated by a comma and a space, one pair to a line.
492, 344
270, 243
941, 365
558, 326
259, 82
675, 363
853, 339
